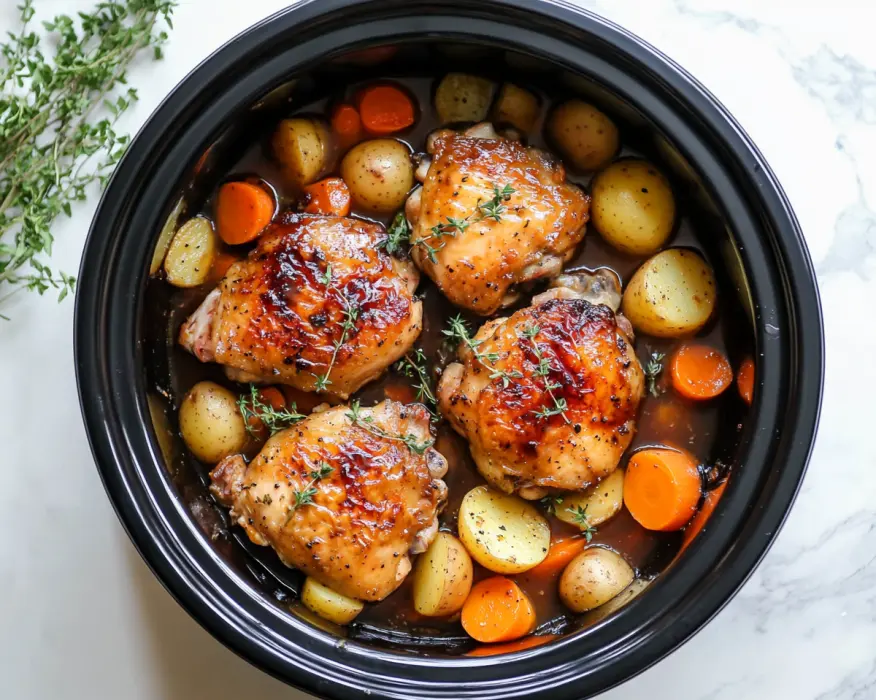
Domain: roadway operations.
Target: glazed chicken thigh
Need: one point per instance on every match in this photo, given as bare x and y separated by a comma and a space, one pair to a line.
318, 305
491, 215
547, 397
343, 499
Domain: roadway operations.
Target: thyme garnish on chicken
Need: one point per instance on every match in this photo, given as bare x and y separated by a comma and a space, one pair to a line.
251, 406
653, 368
458, 332
415, 365
304, 497
415, 445
491, 209
543, 370
349, 317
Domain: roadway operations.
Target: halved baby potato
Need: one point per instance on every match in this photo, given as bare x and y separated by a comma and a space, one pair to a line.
593, 578
190, 255
517, 107
502, 533
302, 148
166, 236
329, 604
463, 98
601, 501
442, 577
671, 295
210, 422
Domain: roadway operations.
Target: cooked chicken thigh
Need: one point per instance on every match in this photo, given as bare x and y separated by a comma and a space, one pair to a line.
560, 408
318, 305
491, 215
345, 501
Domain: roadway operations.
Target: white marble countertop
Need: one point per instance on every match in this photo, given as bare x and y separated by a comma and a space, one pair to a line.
82, 616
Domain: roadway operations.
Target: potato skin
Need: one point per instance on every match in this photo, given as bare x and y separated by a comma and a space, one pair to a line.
463, 98
503, 533
442, 577
602, 501
633, 207
517, 107
302, 147
329, 604
379, 174
593, 578
586, 137
671, 295
210, 422
191, 253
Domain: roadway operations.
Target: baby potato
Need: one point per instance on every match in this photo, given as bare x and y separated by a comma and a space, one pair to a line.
585, 136
442, 577
166, 236
593, 578
329, 604
601, 501
633, 207
190, 255
671, 295
379, 174
463, 98
517, 107
210, 422
302, 148
503, 533
625, 597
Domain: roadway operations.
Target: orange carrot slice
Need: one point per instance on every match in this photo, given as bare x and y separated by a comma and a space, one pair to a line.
520, 645
497, 610
385, 109
699, 372
745, 380
243, 210
330, 196
560, 554
661, 488
703, 514
347, 125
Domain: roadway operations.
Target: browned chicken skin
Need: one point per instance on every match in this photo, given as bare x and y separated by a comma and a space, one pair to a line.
541, 222
278, 315
587, 362
376, 503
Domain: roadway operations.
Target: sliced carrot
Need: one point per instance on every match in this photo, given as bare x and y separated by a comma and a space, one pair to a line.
703, 514
661, 488
243, 210
560, 554
399, 392
385, 109
745, 380
221, 263
330, 196
347, 125
497, 610
510, 647
700, 372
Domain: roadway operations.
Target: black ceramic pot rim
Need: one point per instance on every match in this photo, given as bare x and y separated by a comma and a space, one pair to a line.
112, 388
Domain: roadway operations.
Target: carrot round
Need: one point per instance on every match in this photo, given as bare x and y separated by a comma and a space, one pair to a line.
497, 610
347, 125
745, 380
243, 210
520, 645
661, 488
703, 514
560, 554
330, 196
700, 372
385, 109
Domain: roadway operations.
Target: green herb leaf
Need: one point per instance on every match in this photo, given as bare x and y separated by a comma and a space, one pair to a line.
354, 415
579, 514
251, 406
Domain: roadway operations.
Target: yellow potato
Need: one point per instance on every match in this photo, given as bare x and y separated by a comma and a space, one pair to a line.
463, 98
671, 295
379, 174
165, 237
329, 604
302, 148
210, 422
626, 596
585, 136
190, 255
633, 207
517, 107
593, 578
502, 533
442, 577
601, 501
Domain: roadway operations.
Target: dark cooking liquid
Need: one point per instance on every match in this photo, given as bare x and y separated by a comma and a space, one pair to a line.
667, 419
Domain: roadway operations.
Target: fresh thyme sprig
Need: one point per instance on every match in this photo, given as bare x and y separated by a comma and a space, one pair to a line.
491, 209
550, 504
458, 332
652, 372
579, 514
54, 143
398, 235
367, 423
543, 370
349, 317
251, 406
304, 497
415, 365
